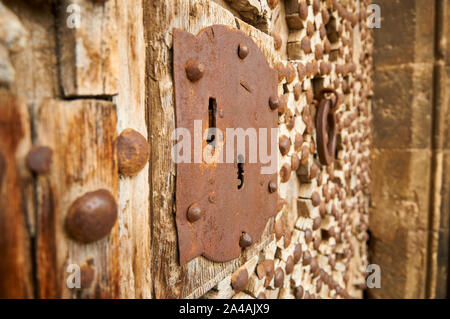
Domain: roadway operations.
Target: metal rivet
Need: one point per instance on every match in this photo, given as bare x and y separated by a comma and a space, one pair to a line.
194, 213
298, 142
299, 292
39, 159
269, 266
277, 41
92, 216
287, 239
303, 10
284, 144
242, 51
297, 253
272, 187
239, 280
285, 173
274, 102
295, 162
316, 223
279, 229
245, 240
87, 272
314, 266
132, 151
315, 197
279, 278
289, 265
308, 236
261, 271
194, 70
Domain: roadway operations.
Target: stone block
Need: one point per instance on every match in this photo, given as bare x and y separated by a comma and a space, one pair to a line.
403, 106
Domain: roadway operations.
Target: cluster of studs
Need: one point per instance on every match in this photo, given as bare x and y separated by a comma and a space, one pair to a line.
320, 232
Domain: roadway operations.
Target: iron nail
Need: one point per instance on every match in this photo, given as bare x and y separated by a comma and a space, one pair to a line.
245, 240
194, 213
194, 70
274, 102
272, 187
91, 216
242, 51
39, 159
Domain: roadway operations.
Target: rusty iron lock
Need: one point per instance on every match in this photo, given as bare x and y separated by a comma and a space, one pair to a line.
326, 126
223, 80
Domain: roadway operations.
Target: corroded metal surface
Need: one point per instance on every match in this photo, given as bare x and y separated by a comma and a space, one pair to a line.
234, 201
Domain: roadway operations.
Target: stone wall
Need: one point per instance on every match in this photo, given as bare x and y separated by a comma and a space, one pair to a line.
409, 206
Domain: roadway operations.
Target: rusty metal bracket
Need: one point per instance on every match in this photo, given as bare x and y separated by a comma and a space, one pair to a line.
326, 127
223, 79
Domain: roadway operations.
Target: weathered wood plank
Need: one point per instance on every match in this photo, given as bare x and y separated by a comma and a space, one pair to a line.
13, 37
134, 192
88, 56
199, 275
82, 135
15, 260
36, 72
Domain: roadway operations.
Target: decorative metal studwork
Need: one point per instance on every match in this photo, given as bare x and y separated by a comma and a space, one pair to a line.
223, 79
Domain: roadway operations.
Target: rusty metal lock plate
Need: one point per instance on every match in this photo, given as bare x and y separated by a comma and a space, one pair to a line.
223, 79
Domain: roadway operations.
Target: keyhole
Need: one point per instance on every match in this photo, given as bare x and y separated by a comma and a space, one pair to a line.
240, 166
212, 115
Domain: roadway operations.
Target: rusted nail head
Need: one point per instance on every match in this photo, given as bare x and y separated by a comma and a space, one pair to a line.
87, 274
133, 152
245, 240
287, 239
261, 271
316, 223
279, 229
315, 197
274, 102
279, 278
303, 10
308, 236
289, 265
284, 144
314, 265
91, 216
277, 41
194, 213
299, 292
272, 187
269, 267
285, 173
39, 159
239, 280
297, 253
242, 51
306, 258
295, 162
194, 70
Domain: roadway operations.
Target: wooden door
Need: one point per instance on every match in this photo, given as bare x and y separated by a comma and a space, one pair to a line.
85, 71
